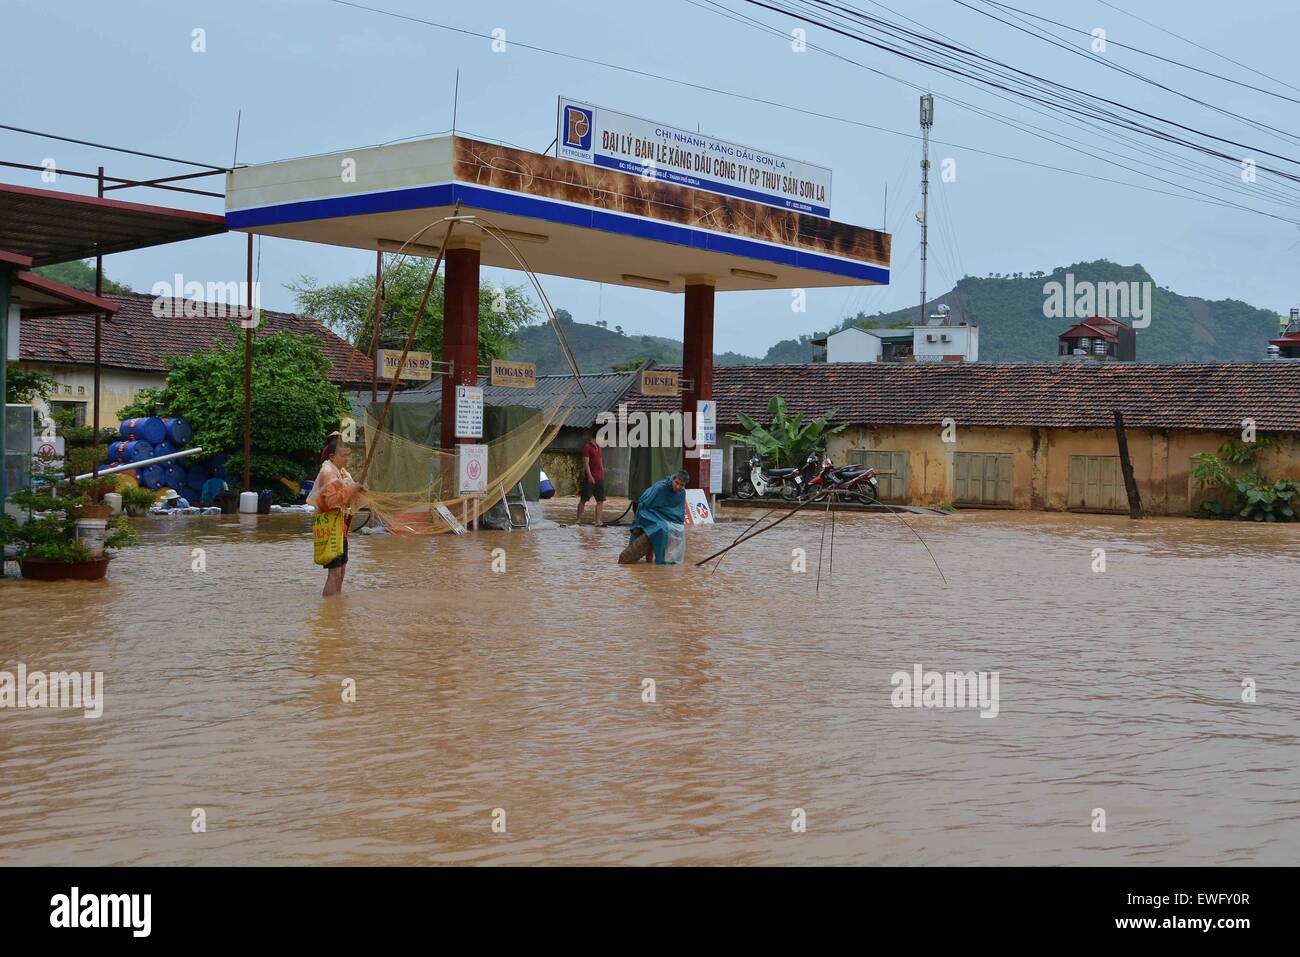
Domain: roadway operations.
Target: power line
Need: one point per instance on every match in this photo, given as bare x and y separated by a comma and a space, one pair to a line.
1022, 127
803, 111
1199, 46
1039, 33
1067, 98
1154, 56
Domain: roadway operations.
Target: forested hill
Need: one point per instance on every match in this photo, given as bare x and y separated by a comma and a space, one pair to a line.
1007, 308
1009, 311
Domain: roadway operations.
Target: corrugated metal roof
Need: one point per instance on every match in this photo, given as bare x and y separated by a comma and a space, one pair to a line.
54, 227
604, 391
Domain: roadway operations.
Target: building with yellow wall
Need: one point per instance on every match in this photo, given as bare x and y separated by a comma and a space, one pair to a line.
1026, 435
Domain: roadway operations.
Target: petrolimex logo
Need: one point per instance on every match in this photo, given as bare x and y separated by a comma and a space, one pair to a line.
576, 127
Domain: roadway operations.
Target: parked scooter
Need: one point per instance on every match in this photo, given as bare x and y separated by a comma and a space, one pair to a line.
787, 483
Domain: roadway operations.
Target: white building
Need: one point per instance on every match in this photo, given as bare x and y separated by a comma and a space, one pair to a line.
853, 345
943, 341
951, 343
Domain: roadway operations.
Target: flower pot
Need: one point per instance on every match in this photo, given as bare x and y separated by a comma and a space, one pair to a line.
135, 509
53, 570
92, 511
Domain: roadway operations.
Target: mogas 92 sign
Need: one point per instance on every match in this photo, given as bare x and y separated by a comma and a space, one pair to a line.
591, 134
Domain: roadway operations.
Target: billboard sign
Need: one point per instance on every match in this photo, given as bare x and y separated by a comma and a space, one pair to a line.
629, 144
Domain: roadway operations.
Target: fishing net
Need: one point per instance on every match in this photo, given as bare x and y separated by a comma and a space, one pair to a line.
411, 480
413, 484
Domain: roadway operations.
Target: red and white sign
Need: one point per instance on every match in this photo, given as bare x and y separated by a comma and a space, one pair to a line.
473, 462
698, 511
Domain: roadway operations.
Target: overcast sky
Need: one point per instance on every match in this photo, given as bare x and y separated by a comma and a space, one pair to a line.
315, 76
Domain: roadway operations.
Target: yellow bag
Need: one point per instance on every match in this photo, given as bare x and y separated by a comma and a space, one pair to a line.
327, 535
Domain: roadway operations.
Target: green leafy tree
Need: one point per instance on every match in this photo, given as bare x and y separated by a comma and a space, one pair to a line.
788, 439
23, 385
294, 403
346, 308
79, 274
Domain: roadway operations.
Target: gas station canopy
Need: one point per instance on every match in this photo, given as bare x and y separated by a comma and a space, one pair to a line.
566, 218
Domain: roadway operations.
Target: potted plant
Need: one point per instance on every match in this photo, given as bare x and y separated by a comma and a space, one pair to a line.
65, 535
135, 500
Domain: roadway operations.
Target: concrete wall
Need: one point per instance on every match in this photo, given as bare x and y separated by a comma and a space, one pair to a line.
1041, 461
563, 466
117, 387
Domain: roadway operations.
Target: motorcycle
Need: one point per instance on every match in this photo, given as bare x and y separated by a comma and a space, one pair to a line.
787, 483
851, 482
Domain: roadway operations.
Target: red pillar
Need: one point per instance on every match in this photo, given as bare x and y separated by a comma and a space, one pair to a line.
697, 363
459, 334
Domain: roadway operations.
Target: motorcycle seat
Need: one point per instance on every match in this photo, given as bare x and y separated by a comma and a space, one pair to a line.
779, 473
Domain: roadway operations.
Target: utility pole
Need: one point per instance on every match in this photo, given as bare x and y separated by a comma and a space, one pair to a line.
927, 121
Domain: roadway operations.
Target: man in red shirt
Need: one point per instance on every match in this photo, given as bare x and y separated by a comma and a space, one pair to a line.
593, 476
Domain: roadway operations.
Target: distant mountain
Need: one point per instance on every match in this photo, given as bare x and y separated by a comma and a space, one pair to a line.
1008, 309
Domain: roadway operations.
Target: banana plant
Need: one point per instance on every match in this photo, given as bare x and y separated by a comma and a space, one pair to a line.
788, 439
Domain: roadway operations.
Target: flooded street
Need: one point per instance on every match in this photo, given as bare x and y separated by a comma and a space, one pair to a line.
522, 690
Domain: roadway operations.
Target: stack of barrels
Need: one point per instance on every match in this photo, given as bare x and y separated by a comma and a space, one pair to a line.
149, 437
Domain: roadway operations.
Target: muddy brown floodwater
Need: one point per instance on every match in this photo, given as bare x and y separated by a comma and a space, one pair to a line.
522, 690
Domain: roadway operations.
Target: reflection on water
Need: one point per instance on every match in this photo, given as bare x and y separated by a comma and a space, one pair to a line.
523, 691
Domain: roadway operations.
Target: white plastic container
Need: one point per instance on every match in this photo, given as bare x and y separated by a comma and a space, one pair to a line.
114, 501
248, 503
91, 533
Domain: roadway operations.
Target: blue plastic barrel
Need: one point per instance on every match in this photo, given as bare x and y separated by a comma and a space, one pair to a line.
136, 450
217, 463
150, 428
173, 474
179, 432
196, 475
164, 448
151, 476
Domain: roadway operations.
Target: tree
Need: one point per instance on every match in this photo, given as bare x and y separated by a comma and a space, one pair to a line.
23, 385
294, 403
346, 308
79, 274
619, 330
788, 439
627, 365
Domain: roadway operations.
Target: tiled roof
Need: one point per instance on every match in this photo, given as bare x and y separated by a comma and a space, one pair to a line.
136, 339
604, 391
1205, 396
1086, 328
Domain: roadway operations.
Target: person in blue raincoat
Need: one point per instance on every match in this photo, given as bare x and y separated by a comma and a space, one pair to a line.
661, 505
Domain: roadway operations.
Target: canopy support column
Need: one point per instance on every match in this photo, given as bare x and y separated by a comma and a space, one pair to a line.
697, 366
459, 331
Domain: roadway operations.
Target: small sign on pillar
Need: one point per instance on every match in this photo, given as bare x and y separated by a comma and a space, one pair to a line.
706, 422
469, 412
